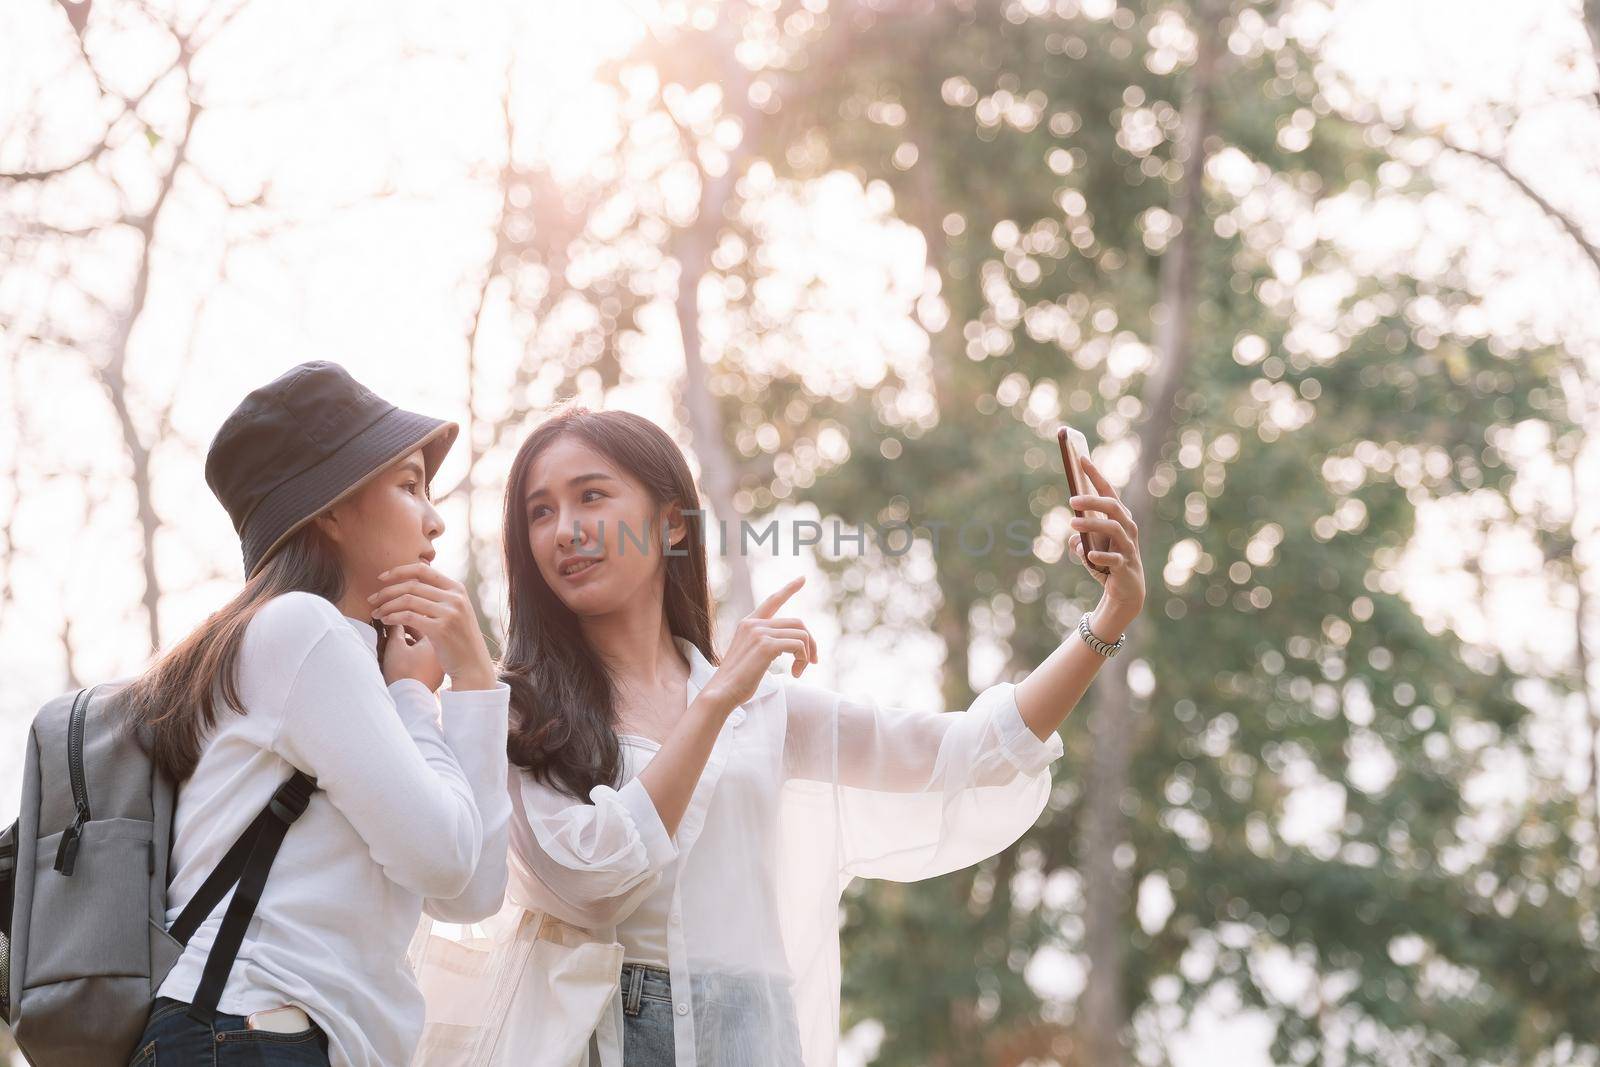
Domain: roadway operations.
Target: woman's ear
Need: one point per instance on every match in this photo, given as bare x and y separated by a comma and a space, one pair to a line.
676, 526
328, 523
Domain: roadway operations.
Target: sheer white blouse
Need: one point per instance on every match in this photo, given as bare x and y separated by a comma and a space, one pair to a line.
805, 789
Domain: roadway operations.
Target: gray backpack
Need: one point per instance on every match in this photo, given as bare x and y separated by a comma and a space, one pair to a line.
83, 887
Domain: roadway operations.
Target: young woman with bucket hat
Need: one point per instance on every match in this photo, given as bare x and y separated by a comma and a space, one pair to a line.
326, 664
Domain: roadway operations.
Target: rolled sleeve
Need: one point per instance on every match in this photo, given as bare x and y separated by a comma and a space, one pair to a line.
635, 801
588, 863
923, 793
1022, 748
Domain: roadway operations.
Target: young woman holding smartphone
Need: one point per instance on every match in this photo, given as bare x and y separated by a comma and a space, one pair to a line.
327, 486
706, 813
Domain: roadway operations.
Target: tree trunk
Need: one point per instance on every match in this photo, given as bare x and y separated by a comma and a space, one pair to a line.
1580, 641
1106, 888
1580, 409
1591, 22
719, 478
468, 484
113, 378
476, 542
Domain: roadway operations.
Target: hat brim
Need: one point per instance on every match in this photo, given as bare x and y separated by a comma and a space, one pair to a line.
369, 453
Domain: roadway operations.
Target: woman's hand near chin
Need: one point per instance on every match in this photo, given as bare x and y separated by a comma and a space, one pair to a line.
437, 609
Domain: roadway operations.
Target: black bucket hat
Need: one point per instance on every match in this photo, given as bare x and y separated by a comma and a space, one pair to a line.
301, 443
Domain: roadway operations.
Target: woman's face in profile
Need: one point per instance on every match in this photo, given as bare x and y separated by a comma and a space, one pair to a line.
388, 522
586, 520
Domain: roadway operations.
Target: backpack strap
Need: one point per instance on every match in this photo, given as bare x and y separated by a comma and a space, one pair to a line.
8, 880
8, 899
245, 865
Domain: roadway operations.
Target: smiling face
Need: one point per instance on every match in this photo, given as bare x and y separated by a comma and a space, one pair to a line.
387, 522
585, 522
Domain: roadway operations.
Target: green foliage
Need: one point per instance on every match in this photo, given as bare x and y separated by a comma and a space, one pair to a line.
1279, 655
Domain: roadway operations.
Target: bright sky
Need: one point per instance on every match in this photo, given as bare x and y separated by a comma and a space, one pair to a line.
386, 285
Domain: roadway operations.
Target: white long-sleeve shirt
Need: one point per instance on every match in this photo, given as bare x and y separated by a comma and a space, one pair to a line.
408, 812
804, 790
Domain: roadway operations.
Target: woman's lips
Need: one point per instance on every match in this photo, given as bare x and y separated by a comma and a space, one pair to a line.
583, 569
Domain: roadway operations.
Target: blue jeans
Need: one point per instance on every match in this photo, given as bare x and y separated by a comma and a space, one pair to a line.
739, 1021
646, 1016
172, 1039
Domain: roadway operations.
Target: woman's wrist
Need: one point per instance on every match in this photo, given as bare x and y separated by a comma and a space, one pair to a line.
1108, 624
480, 675
709, 704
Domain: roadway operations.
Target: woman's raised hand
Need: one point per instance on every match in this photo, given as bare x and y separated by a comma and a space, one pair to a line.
403, 658
436, 608
1119, 569
757, 641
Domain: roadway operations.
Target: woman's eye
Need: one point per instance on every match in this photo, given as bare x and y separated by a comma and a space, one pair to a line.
596, 492
537, 512
411, 487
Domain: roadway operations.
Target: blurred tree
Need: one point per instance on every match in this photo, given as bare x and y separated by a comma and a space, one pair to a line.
126, 163
1489, 134
119, 216
572, 289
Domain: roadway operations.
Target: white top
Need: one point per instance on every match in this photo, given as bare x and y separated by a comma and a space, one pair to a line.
406, 812
643, 933
804, 790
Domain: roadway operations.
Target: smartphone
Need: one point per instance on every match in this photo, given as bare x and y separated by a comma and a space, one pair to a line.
1074, 446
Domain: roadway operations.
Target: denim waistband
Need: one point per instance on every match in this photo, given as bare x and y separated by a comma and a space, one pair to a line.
650, 979
168, 1013
644, 981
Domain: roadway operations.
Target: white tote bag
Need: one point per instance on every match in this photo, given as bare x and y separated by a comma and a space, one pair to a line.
520, 989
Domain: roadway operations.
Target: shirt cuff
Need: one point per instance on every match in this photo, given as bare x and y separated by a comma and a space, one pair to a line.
497, 698
415, 702
1021, 746
659, 849
474, 724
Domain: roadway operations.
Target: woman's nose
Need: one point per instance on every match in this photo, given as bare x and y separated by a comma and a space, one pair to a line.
571, 533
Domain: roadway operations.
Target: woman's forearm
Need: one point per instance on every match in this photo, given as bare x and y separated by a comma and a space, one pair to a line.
674, 771
1049, 693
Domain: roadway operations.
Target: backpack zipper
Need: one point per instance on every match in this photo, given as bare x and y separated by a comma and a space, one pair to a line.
67, 854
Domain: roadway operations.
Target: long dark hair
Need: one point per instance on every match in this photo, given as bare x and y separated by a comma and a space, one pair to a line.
172, 706
563, 717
